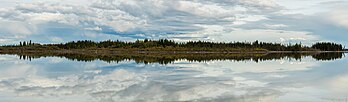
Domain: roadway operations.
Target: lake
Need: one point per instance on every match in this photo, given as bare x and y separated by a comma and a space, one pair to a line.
269, 78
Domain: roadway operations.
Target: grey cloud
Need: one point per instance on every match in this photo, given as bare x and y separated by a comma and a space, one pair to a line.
158, 19
127, 19
318, 24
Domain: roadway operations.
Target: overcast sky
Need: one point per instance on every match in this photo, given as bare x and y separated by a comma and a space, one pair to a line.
56, 21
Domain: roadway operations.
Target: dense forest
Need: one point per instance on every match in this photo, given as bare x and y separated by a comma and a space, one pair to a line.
193, 45
165, 51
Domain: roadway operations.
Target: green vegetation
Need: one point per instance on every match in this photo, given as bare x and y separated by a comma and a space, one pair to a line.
328, 46
170, 45
165, 51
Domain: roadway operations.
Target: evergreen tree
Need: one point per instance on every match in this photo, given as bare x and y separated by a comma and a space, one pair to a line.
194, 45
24, 43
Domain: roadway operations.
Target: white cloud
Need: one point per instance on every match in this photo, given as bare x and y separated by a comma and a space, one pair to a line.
15, 28
339, 17
94, 28
56, 39
280, 36
265, 4
205, 10
157, 18
275, 26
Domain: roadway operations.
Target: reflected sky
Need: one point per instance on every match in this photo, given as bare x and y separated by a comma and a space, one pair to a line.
58, 79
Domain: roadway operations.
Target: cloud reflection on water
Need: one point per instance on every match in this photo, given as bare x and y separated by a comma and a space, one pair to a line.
57, 79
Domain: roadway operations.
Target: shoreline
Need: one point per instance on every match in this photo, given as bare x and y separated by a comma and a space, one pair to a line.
164, 46
132, 51
144, 51
165, 55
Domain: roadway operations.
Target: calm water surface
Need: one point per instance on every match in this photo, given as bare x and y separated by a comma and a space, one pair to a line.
54, 79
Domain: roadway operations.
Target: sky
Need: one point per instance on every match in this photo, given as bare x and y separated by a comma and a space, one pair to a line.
282, 21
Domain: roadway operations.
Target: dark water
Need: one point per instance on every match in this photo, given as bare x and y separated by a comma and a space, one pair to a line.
230, 78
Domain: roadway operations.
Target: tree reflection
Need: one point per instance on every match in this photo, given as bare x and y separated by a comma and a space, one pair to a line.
171, 58
328, 56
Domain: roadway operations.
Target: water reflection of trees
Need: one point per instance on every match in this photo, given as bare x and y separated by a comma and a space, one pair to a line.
328, 56
170, 58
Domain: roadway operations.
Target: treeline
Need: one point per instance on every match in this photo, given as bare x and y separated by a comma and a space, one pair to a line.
27, 43
328, 46
165, 43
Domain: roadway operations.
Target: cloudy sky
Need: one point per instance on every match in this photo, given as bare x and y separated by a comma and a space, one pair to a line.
56, 21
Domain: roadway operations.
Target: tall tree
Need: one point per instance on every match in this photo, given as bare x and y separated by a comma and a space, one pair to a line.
24, 43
